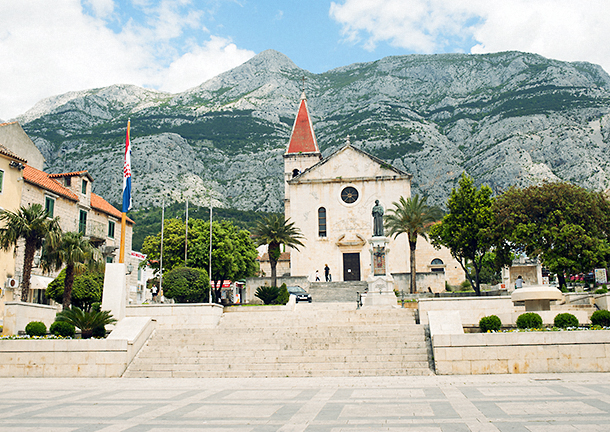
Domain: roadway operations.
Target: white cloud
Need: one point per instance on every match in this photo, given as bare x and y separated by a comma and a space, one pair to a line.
49, 48
560, 29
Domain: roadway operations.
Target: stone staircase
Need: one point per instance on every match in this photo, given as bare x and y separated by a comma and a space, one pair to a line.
313, 340
332, 292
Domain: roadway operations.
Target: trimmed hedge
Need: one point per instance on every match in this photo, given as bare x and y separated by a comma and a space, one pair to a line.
62, 328
490, 323
601, 318
564, 320
529, 320
36, 328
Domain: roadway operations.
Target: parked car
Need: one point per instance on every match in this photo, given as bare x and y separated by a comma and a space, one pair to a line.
299, 293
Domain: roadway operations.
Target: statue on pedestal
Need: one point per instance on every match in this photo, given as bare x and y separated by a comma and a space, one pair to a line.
377, 220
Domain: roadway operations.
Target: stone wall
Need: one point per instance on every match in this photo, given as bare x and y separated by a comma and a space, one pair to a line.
254, 282
17, 315
519, 352
91, 358
189, 315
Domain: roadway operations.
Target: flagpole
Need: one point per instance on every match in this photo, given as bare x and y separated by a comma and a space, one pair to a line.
126, 206
186, 233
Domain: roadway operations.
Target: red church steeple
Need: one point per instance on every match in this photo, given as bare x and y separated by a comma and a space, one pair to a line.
303, 138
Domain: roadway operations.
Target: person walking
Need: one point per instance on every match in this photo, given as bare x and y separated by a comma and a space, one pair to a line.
326, 272
317, 276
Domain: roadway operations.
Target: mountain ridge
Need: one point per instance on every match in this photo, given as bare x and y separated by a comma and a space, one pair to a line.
506, 118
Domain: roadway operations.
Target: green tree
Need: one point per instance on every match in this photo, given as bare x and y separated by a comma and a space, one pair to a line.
274, 231
233, 252
86, 290
413, 217
72, 250
33, 225
85, 321
467, 230
187, 285
566, 226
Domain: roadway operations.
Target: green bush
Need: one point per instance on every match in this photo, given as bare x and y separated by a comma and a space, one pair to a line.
62, 328
490, 323
529, 320
99, 332
186, 285
96, 307
85, 321
283, 295
267, 294
86, 290
602, 290
36, 328
564, 320
601, 318
465, 286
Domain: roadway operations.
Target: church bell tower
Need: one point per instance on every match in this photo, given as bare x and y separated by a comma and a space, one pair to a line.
302, 152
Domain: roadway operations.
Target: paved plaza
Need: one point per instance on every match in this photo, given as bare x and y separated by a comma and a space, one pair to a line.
515, 403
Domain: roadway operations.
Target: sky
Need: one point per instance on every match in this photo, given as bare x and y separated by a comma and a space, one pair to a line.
50, 47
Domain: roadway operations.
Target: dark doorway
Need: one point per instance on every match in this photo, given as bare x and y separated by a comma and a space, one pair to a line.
351, 266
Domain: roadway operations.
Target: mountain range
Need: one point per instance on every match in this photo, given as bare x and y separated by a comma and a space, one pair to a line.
508, 118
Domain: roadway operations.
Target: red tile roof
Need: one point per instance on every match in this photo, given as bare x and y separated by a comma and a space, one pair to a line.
42, 179
99, 203
7, 152
284, 256
303, 139
71, 174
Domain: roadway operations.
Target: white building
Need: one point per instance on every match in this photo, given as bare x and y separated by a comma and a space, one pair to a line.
331, 200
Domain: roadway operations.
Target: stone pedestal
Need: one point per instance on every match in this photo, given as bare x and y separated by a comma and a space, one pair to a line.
536, 297
114, 297
380, 282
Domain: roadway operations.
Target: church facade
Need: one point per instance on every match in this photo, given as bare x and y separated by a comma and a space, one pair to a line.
330, 200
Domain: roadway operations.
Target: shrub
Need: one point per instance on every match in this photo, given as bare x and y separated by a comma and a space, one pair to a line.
465, 286
36, 328
96, 307
85, 321
186, 285
99, 332
267, 294
62, 328
86, 290
601, 318
529, 320
283, 295
602, 290
490, 323
564, 320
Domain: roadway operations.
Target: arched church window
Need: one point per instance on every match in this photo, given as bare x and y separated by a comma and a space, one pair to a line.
295, 172
440, 265
322, 222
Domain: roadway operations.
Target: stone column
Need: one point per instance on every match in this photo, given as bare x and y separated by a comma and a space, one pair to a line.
380, 282
114, 297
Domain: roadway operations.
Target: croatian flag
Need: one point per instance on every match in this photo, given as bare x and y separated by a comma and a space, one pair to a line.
127, 173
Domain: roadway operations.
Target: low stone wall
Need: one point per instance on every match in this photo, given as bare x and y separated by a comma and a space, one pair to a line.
179, 315
471, 309
18, 314
91, 358
522, 352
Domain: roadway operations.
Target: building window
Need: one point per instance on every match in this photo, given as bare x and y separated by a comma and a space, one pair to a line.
437, 262
68, 181
349, 195
1, 181
111, 229
139, 274
49, 206
84, 187
82, 222
322, 222
295, 172
108, 260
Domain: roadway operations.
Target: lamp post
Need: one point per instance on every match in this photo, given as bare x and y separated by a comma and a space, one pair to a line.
210, 260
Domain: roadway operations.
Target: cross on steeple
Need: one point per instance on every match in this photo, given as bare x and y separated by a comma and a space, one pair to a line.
303, 79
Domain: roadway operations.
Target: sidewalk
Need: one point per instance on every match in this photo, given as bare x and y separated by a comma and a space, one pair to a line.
516, 403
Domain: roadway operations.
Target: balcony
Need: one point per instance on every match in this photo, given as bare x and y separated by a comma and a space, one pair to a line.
94, 230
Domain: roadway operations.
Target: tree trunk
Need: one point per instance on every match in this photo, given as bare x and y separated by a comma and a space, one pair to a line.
28, 259
412, 246
68, 282
274, 254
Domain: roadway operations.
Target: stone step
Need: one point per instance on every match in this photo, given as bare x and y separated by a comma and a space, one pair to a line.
317, 341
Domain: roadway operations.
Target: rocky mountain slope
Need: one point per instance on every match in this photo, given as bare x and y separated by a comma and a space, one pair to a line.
507, 119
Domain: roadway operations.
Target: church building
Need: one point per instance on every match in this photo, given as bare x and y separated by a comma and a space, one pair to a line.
330, 200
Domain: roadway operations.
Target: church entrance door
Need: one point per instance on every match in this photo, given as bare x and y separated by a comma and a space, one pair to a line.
351, 266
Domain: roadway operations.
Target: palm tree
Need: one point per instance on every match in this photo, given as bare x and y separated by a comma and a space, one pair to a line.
413, 217
85, 321
72, 250
33, 225
274, 231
